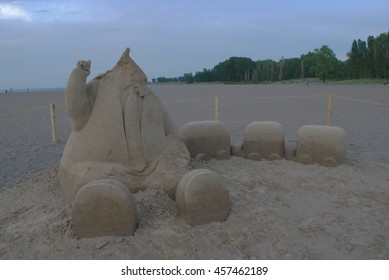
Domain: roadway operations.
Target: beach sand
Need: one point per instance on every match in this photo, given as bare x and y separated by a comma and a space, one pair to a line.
280, 209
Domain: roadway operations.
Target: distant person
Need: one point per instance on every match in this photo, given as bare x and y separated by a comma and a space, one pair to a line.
307, 83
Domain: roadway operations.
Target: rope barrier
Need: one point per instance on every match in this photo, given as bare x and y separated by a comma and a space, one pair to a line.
211, 98
216, 102
187, 100
362, 101
22, 111
277, 97
28, 110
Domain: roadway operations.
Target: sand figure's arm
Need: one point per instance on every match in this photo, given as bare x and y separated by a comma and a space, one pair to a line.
78, 105
168, 123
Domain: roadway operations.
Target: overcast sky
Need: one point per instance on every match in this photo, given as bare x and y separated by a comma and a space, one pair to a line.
41, 40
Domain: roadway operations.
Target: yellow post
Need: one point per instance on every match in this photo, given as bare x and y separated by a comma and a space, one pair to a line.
54, 133
216, 108
329, 110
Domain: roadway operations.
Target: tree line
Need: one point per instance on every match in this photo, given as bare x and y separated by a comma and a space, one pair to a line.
369, 59
366, 59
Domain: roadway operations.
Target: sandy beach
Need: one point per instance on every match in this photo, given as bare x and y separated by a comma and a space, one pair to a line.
280, 209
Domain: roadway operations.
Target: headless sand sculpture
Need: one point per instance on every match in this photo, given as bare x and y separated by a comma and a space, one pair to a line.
325, 145
123, 141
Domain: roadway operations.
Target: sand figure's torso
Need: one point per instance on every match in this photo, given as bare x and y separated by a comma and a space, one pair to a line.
120, 129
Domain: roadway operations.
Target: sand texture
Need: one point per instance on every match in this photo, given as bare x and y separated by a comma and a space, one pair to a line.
279, 209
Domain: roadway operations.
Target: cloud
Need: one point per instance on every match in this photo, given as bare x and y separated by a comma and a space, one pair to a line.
9, 11
169, 38
44, 11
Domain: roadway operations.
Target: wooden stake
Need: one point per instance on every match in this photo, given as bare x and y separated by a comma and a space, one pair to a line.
54, 133
216, 108
329, 110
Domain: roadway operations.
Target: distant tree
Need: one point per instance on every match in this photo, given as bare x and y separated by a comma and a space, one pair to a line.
308, 68
166, 80
357, 60
234, 69
266, 71
302, 66
188, 78
371, 57
368, 59
203, 76
326, 64
281, 69
362, 52
161, 79
292, 69
353, 62
342, 70
381, 62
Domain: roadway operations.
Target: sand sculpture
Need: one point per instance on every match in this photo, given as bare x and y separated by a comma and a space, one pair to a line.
206, 139
263, 139
122, 141
195, 200
325, 145
112, 206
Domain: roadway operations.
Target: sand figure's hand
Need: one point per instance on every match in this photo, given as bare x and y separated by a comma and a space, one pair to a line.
84, 65
77, 102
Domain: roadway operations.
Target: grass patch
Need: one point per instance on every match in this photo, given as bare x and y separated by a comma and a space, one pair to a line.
339, 82
359, 82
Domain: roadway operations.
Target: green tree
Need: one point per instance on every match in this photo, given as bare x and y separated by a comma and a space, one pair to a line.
302, 66
188, 78
281, 71
203, 76
292, 69
326, 64
266, 71
308, 65
166, 80
353, 62
357, 60
381, 62
234, 69
369, 59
